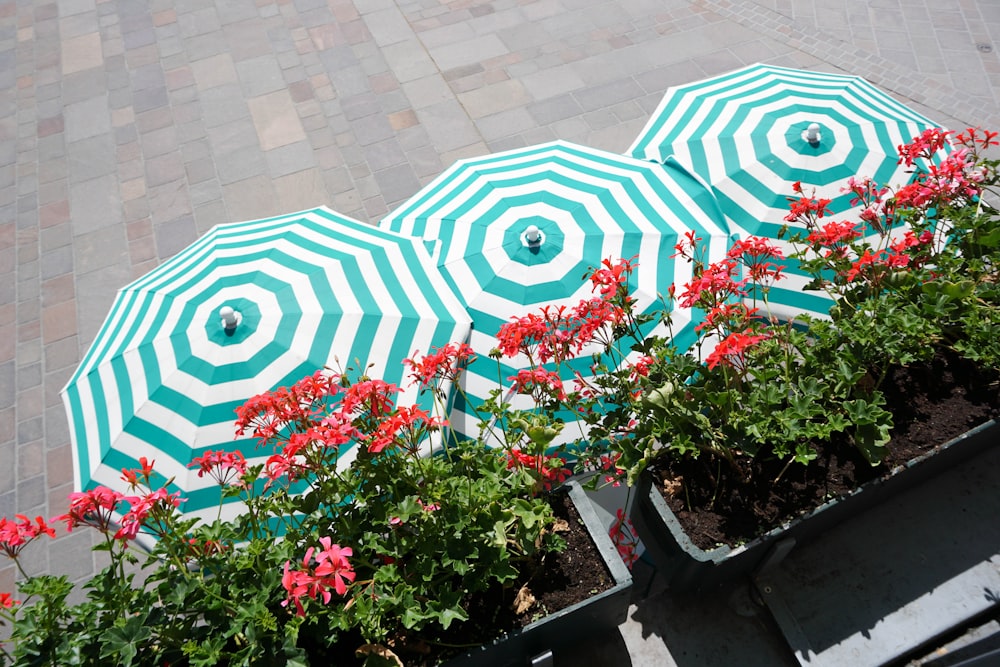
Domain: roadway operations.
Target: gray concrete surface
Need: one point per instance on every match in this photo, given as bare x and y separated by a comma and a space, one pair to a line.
129, 128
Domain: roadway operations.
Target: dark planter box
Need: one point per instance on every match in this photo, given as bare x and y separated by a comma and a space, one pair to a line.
599, 614
686, 567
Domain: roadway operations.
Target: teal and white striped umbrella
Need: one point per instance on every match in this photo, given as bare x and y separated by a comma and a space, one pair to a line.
165, 373
518, 230
752, 133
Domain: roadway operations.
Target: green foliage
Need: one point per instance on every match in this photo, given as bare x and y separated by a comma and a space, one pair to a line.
918, 274
383, 551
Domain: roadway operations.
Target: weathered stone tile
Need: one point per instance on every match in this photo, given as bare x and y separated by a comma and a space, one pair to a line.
216, 70
493, 99
80, 53
94, 204
276, 121
289, 159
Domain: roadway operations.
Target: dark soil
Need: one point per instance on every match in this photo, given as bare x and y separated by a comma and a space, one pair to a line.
930, 404
556, 580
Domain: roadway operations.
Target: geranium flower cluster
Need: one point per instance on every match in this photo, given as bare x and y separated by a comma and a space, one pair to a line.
320, 415
551, 470
557, 334
15, 535
720, 288
443, 364
322, 570
96, 508
223, 467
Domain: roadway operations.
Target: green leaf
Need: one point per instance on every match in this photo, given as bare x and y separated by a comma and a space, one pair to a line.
124, 642
448, 615
499, 534
870, 440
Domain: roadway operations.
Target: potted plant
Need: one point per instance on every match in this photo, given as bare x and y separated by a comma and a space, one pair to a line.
357, 546
764, 421
911, 338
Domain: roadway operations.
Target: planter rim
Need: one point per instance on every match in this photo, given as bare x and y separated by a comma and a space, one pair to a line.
720, 553
607, 605
608, 551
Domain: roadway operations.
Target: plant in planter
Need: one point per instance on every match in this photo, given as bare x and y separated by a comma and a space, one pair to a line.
911, 335
376, 554
763, 420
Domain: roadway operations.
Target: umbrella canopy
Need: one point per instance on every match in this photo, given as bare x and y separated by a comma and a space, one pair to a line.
752, 133
518, 230
166, 371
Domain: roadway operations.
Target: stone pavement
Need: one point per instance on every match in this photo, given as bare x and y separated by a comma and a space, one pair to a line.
127, 129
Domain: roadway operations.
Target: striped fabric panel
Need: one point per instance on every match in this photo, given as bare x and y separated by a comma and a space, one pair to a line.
163, 378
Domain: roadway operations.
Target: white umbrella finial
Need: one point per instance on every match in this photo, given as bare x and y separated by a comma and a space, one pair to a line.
533, 235
230, 318
812, 134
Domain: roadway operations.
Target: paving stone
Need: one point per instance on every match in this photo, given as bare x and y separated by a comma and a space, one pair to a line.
80, 53
239, 164
552, 81
168, 201
31, 457
337, 180
136, 209
289, 159
409, 61
505, 123
8, 390
346, 81
448, 126
555, 109
58, 289
397, 183
7, 472
224, 139
199, 170
234, 11
372, 129
80, 86
99, 249
251, 198
199, 22
61, 354
493, 99
210, 214
375, 208
29, 430
204, 192
58, 321
94, 204
204, 46
8, 505
31, 494
174, 235
388, 26
246, 39
276, 121
301, 190
608, 94
259, 76
427, 90
366, 186
161, 169
70, 555
477, 49
216, 70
